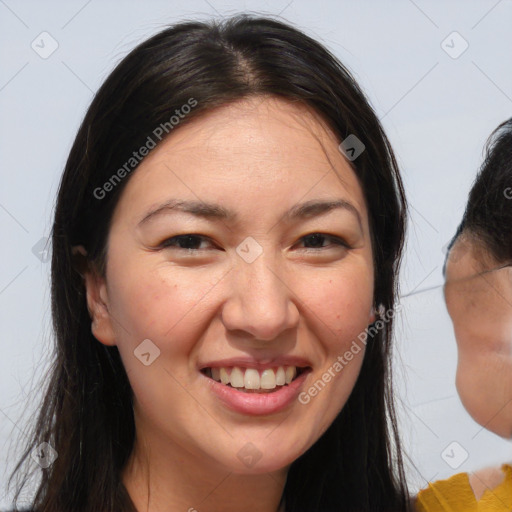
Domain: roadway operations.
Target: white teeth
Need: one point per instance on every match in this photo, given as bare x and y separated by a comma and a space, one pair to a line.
237, 378
268, 379
280, 377
224, 377
290, 374
250, 378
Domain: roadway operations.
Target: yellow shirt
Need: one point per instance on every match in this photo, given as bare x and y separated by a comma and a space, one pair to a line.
456, 495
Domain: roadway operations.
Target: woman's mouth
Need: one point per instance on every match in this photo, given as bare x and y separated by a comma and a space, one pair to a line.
252, 380
255, 388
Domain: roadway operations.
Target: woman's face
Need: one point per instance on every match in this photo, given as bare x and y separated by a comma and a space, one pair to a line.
240, 248
478, 296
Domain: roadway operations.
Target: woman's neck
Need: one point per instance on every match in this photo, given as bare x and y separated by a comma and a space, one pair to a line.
162, 478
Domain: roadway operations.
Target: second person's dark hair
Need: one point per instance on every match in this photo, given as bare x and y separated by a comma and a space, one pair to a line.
488, 214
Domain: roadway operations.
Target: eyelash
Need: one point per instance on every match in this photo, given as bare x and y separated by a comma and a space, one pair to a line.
169, 242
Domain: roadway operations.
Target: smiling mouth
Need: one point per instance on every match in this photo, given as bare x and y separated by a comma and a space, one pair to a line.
251, 380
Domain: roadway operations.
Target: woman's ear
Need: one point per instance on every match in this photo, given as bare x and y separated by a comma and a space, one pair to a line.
97, 297
377, 312
372, 316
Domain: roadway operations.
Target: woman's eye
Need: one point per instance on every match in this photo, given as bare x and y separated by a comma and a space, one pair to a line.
315, 240
187, 242
192, 242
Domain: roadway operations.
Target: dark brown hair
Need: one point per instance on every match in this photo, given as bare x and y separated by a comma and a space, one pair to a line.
87, 413
488, 214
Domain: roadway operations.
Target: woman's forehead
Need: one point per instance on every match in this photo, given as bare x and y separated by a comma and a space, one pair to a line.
264, 146
255, 126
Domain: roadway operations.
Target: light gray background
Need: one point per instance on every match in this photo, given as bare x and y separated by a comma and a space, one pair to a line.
436, 109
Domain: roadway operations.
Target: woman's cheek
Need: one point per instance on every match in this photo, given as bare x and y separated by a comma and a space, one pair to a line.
343, 305
156, 301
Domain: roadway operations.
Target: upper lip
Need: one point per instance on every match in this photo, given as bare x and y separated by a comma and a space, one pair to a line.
258, 364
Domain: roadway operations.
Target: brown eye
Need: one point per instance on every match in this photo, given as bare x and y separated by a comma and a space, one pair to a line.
186, 242
316, 241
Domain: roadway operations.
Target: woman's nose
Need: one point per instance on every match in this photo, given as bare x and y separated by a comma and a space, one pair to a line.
260, 300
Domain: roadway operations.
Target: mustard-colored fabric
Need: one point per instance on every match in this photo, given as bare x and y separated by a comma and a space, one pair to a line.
456, 495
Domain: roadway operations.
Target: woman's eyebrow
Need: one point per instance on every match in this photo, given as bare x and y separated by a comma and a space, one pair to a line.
317, 207
305, 210
197, 208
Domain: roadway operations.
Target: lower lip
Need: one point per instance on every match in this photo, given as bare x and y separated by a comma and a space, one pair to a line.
257, 404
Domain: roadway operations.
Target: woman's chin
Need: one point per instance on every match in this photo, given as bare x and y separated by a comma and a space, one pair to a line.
256, 458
